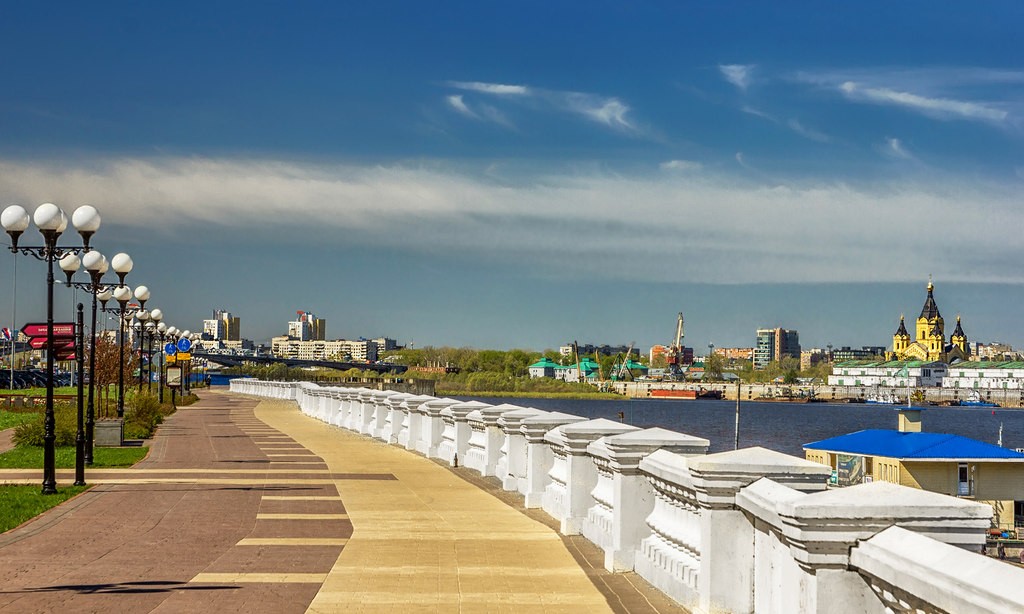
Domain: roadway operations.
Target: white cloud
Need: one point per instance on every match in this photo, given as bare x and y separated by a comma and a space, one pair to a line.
758, 113
680, 165
941, 108
608, 111
605, 110
895, 149
496, 89
456, 102
699, 227
737, 74
808, 133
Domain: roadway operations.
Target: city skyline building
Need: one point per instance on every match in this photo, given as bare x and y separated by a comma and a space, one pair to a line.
775, 344
223, 327
307, 327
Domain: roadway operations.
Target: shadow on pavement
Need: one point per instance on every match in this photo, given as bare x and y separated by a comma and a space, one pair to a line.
151, 586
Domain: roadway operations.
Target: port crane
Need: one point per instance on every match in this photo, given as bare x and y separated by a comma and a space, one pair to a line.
623, 372
675, 350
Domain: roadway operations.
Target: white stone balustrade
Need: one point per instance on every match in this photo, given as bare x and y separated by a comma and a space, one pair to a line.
394, 416
567, 497
486, 438
910, 573
409, 426
623, 497
539, 456
363, 418
432, 426
455, 437
745, 531
511, 465
379, 412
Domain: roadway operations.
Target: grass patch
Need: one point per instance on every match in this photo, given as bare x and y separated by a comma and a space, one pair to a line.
11, 419
21, 503
37, 392
31, 457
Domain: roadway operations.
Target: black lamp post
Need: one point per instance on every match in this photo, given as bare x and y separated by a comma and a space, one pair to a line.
52, 222
122, 294
96, 265
163, 332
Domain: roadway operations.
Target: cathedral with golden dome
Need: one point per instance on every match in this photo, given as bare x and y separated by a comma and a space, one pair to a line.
929, 341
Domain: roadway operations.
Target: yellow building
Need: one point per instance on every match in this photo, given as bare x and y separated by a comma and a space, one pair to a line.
938, 462
929, 340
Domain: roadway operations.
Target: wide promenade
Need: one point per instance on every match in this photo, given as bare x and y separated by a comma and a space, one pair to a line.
248, 505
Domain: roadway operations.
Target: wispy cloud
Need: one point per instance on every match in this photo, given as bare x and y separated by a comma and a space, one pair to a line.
680, 165
808, 133
940, 108
941, 93
495, 89
607, 111
456, 102
737, 74
894, 148
758, 113
285, 204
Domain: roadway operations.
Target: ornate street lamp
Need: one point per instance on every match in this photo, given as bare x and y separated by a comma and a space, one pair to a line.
51, 222
123, 294
96, 265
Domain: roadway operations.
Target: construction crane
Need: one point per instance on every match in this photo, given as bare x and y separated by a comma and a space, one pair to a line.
675, 350
623, 370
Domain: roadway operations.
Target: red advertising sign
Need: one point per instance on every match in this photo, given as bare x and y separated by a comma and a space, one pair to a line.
60, 343
62, 329
68, 354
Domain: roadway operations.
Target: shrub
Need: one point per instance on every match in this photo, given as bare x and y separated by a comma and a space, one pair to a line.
65, 428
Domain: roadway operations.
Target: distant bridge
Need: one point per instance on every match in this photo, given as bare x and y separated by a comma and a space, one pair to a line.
229, 360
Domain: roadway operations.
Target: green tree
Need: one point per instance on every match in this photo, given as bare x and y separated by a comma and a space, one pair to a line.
713, 367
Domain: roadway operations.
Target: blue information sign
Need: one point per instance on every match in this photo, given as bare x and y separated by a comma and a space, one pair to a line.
184, 345
170, 349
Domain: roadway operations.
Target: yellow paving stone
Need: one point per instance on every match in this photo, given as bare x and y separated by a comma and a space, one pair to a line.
262, 578
292, 541
301, 498
428, 540
301, 516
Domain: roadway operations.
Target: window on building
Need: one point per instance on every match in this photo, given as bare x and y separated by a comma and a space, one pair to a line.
965, 485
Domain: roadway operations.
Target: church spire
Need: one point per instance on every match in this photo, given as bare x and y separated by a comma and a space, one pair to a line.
959, 331
930, 310
902, 330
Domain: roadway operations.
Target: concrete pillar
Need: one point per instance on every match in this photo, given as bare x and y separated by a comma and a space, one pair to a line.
455, 438
822, 529
567, 497
432, 426
409, 431
486, 438
511, 465
394, 417
539, 458
623, 497
379, 405
726, 581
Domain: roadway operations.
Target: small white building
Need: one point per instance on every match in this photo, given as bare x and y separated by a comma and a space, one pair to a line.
896, 373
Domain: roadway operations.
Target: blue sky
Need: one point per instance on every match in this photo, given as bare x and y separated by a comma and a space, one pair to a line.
522, 174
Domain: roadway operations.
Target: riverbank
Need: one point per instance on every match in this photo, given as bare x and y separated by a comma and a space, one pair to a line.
574, 396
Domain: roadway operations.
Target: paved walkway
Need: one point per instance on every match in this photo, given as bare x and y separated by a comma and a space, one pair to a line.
250, 506
6, 440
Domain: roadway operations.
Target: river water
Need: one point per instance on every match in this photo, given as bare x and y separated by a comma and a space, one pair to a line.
784, 427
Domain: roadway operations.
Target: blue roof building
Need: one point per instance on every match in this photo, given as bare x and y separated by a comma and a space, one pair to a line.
938, 462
